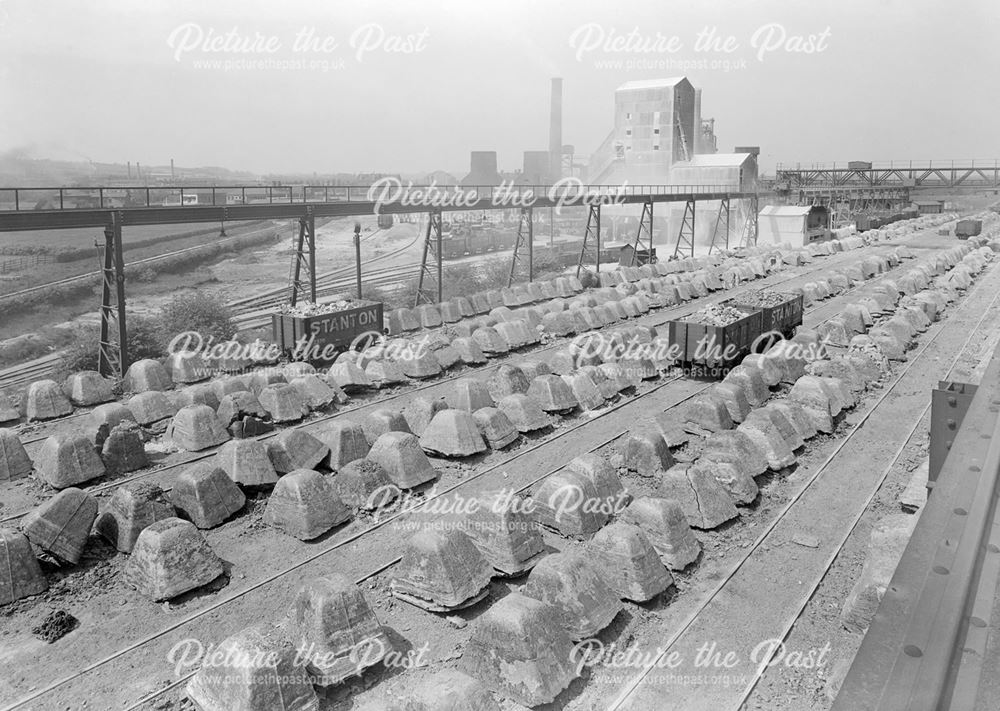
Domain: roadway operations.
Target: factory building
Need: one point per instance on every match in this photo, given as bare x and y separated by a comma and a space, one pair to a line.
736, 171
796, 225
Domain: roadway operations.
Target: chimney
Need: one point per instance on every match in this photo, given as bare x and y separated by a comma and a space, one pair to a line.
171, 168
129, 170
698, 142
555, 131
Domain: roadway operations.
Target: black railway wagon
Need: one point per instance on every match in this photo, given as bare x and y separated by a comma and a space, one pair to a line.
783, 317
335, 332
717, 347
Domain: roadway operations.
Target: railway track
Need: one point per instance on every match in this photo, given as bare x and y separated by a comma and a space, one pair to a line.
633, 403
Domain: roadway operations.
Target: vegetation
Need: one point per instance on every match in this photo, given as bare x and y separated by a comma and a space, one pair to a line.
144, 341
197, 311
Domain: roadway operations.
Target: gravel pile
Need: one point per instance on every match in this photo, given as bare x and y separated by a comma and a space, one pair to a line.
310, 308
763, 298
716, 315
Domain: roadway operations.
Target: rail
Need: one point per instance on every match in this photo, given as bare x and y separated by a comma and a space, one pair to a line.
908, 164
932, 643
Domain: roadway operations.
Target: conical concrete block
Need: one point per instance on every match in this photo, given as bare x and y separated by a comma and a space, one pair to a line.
206, 495
297, 369
469, 351
788, 357
762, 429
305, 505
709, 411
378, 422
562, 362
258, 669
552, 394
346, 442
646, 452
246, 462
419, 412
170, 557
186, 367
704, 501
843, 369
524, 412
14, 460
383, 373
787, 430
522, 634
314, 392
68, 459
283, 403
738, 485
584, 391
198, 394
532, 369
506, 380
611, 495
45, 401
237, 406
9, 411
20, 574
401, 457
502, 530
441, 571
262, 378
452, 433
810, 392
123, 450
604, 386
151, 407
735, 399
469, 394
348, 376
419, 364
665, 525
615, 373
495, 427
88, 388
145, 375
490, 342
568, 581
132, 508
797, 416
450, 690
195, 428
62, 524
629, 562
446, 356
568, 502
752, 383
364, 484
331, 618
399, 320
428, 315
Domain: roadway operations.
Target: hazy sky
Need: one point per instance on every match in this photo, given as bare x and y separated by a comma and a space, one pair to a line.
408, 86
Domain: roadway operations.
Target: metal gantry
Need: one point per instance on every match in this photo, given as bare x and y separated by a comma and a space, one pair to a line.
431, 272
643, 235
525, 240
591, 234
750, 227
305, 260
113, 346
685, 236
721, 221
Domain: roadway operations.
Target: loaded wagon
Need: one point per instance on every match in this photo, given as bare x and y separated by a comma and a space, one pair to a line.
968, 228
717, 347
780, 312
320, 332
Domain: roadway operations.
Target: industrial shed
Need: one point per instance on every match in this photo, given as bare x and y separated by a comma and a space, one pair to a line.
929, 207
736, 171
796, 225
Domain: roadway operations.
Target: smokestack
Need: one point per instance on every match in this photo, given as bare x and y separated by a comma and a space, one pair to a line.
555, 131
698, 147
171, 168
129, 170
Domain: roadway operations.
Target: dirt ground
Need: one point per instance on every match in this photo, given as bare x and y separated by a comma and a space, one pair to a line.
266, 568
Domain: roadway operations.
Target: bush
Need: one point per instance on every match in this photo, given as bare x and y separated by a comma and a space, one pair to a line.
143, 341
197, 311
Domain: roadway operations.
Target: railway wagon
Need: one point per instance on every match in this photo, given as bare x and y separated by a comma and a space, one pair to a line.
322, 336
780, 313
968, 228
716, 347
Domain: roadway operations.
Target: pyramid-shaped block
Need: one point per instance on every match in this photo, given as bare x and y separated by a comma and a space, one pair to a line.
401, 457
294, 449
703, 499
524, 412
170, 557
237, 405
246, 462
617, 375
605, 386
552, 394
751, 381
646, 452
584, 391
469, 394
186, 367
611, 494
506, 380
198, 394
346, 441
260, 379
490, 342
133, 508
419, 412
364, 484
441, 570
88, 388
145, 375
571, 584
195, 428
123, 449
623, 553
258, 669
665, 525
451, 690
468, 350
151, 407
419, 363
736, 447
8, 409
769, 370
762, 429
508, 538
383, 373
206, 495
565, 502
20, 574
68, 459
314, 392
305, 505
45, 401
382, 420
331, 617
14, 460
738, 485
452, 433
735, 399
495, 427
283, 402
522, 634
62, 524
348, 376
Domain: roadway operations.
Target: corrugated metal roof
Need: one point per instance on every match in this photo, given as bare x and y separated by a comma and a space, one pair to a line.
715, 160
935, 203
651, 83
785, 210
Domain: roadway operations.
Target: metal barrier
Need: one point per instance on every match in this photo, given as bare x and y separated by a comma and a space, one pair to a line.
929, 645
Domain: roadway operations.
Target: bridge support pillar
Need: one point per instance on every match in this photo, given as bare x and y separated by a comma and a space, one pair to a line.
431, 270
305, 259
721, 221
644, 234
525, 239
112, 359
750, 228
591, 235
685, 236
